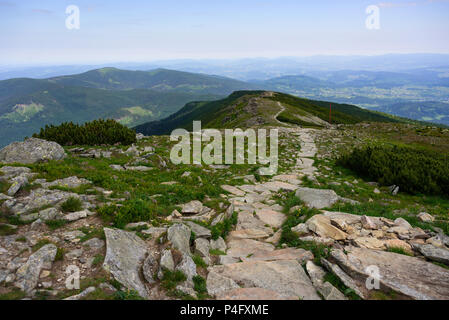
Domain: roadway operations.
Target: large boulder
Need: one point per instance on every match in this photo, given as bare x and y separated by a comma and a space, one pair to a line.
27, 275
285, 277
125, 254
317, 198
409, 277
32, 150
179, 236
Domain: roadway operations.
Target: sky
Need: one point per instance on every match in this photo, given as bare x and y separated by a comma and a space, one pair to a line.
34, 32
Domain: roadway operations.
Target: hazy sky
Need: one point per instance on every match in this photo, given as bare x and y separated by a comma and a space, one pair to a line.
34, 31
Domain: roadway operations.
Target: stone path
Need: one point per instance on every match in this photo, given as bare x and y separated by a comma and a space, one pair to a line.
252, 267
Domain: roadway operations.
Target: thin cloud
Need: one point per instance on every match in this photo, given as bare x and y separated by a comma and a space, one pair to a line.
42, 11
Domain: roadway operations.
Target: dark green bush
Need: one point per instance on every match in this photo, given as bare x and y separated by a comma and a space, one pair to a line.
414, 171
72, 204
97, 132
132, 211
223, 228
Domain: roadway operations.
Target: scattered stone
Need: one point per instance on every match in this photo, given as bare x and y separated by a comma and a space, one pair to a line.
179, 236
27, 276
235, 191
125, 253
425, 217
82, 295
188, 267
317, 198
286, 277
202, 248
321, 225
17, 183
193, 207
149, 268
95, 243
433, 253
32, 150
327, 290
408, 276
218, 244
200, 231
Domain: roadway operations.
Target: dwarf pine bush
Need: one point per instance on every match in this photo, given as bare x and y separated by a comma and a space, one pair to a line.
413, 170
96, 132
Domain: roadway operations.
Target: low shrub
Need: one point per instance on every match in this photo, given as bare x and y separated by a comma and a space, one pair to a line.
414, 171
72, 204
97, 132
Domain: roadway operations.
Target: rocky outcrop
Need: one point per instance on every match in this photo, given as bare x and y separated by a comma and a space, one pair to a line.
32, 150
27, 276
285, 277
125, 254
408, 276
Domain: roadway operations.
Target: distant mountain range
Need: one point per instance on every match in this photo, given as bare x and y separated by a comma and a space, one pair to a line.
247, 109
131, 97
138, 97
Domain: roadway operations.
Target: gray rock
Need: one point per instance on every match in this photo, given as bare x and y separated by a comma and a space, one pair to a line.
32, 150
179, 236
74, 216
94, 243
149, 268
286, 277
433, 253
74, 254
38, 198
327, 290
408, 276
188, 267
166, 262
50, 214
17, 183
70, 182
425, 217
200, 231
125, 253
317, 198
301, 229
217, 284
193, 207
81, 295
218, 244
27, 276
202, 248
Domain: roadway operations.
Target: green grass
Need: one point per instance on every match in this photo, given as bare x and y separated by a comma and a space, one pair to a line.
199, 261
40, 244
171, 279
337, 283
200, 287
60, 254
55, 224
15, 294
6, 230
223, 228
98, 260
72, 204
216, 252
399, 251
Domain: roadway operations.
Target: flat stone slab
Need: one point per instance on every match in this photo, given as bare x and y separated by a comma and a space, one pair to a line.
286, 277
317, 198
125, 253
272, 218
299, 255
252, 294
409, 276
